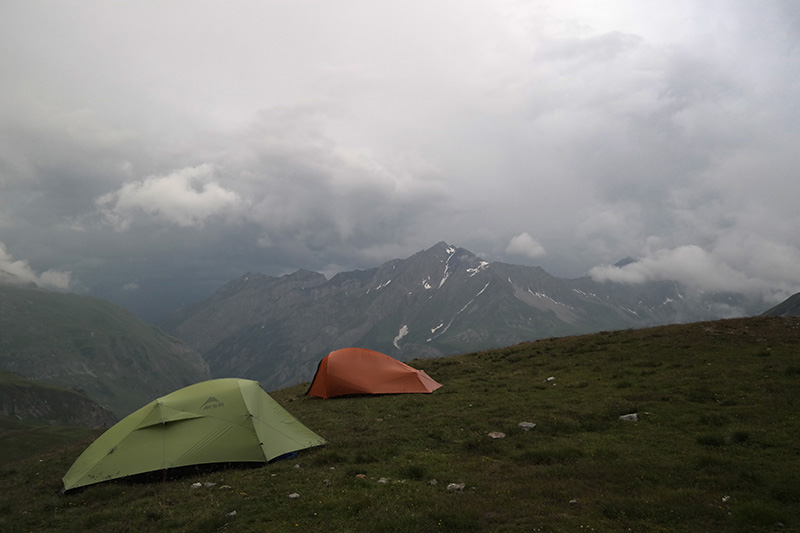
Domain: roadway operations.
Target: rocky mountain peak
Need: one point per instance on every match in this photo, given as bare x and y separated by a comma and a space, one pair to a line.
439, 301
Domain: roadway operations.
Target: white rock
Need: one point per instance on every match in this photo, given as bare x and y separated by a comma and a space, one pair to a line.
294, 495
383, 480
456, 487
196, 485
525, 426
497, 435
632, 417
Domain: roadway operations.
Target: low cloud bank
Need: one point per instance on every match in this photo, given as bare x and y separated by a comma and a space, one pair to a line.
757, 269
18, 271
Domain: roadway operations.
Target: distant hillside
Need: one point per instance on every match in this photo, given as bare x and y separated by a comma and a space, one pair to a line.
787, 308
440, 301
38, 403
92, 346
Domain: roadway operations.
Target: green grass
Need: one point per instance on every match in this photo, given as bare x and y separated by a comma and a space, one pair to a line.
715, 448
19, 440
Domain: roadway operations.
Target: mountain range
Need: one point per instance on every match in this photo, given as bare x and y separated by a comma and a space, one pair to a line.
441, 301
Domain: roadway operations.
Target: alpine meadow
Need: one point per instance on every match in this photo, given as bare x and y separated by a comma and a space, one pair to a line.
712, 447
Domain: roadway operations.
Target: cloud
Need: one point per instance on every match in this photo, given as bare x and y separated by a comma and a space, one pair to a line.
756, 268
526, 246
690, 265
201, 142
186, 197
19, 271
306, 189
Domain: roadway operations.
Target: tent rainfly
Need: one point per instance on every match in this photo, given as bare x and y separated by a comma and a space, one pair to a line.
216, 421
360, 371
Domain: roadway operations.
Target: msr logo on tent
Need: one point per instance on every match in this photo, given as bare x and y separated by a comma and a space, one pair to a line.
211, 403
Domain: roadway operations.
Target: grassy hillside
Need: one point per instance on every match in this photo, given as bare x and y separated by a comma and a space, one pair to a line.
714, 449
44, 404
91, 345
20, 440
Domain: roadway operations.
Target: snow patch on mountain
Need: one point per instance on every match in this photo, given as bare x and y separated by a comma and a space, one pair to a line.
451, 251
402, 333
456, 315
483, 289
544, 302
587, 294
546, 297
379, 287
483, 265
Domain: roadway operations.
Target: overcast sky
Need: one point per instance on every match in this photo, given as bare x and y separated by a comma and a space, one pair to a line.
152, 151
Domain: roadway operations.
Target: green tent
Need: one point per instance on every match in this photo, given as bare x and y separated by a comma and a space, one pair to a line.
216, 421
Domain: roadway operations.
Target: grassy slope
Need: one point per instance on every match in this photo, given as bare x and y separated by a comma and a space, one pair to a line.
56, 337
19, 440
715, 448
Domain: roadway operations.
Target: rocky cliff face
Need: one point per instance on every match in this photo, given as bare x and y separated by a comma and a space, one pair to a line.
440, 301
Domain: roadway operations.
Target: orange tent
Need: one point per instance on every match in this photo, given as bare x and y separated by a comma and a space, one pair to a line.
360, 371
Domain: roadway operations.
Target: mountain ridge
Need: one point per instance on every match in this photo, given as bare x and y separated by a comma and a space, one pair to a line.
787, 308
440, 301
